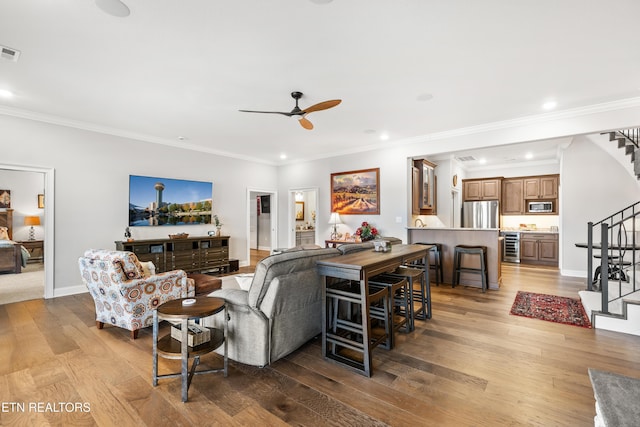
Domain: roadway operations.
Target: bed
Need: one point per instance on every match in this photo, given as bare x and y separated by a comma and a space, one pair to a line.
11, 253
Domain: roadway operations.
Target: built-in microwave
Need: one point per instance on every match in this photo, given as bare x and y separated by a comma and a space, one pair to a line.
540, 207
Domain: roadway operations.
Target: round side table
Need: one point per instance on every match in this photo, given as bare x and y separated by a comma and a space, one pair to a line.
172, 348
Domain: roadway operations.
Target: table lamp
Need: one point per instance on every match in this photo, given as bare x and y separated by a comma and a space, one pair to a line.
335, 220
32, 220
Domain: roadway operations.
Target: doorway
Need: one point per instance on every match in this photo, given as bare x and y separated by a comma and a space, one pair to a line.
261, 224
44, 177
303, 206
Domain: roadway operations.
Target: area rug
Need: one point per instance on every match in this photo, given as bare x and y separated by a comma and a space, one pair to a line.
550, 308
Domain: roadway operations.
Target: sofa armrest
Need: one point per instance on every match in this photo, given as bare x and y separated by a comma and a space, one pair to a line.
232, 296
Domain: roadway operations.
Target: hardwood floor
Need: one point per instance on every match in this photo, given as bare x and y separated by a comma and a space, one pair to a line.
472, 364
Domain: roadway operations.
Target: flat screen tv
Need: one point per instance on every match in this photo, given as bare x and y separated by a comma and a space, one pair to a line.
165, 201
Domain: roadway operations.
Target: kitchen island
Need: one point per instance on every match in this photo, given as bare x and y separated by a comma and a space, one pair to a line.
450, 237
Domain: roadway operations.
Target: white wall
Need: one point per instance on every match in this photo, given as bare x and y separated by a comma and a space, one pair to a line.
92, 186
393, 190
25, 187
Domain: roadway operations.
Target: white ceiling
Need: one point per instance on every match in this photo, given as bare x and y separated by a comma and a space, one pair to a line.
183, 68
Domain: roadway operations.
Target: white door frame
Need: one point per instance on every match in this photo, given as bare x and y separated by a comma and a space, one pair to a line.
274, 219
291, 208
49, 176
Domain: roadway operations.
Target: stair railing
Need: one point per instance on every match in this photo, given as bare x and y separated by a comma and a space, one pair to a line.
633, 135
614, 247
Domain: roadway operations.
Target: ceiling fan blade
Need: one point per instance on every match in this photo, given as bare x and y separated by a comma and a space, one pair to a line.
322, 106
306, 123
266, 112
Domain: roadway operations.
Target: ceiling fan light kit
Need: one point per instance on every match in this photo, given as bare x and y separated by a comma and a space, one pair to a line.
299, 113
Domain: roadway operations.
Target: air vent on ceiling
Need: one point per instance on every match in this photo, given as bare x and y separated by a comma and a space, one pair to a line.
9, 53
465, 158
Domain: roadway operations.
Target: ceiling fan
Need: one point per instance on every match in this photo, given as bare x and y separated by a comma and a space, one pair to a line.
301, 113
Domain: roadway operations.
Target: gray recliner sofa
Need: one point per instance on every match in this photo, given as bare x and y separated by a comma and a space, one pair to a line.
280, 311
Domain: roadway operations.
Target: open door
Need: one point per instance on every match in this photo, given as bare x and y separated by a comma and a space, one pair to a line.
303, 206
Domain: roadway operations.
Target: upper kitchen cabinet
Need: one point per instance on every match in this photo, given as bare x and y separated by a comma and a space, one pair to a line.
541, 187
481, 189
513, 196
424, 187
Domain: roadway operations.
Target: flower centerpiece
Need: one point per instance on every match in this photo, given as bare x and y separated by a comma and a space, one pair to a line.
366, 231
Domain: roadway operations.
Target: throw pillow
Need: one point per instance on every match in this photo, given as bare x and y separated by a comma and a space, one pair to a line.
4, 233
148, 269
244, 281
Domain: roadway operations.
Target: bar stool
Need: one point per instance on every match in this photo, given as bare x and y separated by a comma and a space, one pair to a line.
480, 251
436, 266
398, 304
345, 328
420, 294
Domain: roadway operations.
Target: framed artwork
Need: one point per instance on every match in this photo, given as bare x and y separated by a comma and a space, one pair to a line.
157, 201
40, 201
5, 198
356, 192
299, 211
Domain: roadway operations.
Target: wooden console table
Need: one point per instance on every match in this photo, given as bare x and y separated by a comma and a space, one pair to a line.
193, 254
361, 266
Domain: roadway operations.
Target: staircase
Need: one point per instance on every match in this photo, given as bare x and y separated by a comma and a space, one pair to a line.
629, 141
612, 298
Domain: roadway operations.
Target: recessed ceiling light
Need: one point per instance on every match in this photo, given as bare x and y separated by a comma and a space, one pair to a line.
283, 156
181, 138
528, 156
549, 105
384, 136
424, 97
114, 8
5, 93
482, 161
369, 131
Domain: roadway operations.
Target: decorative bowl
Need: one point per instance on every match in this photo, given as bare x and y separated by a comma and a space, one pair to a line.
179, 236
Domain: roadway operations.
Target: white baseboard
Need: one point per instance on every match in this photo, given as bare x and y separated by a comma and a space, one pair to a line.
69, 290
574, 273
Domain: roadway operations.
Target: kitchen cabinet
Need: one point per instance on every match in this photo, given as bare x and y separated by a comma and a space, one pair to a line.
424, 188
513, 196
481, 189
541, 187
539, 248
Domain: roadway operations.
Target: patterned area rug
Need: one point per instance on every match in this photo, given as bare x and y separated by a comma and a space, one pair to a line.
550, 308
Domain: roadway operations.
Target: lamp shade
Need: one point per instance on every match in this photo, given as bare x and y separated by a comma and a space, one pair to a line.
334, 218
32, 220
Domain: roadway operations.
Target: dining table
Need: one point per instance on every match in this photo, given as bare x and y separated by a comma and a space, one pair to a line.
359, 267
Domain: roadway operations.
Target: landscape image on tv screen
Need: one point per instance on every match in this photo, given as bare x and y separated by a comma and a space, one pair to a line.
165, 201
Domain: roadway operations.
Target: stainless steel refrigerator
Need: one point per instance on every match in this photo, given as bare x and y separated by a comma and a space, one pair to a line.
482, 214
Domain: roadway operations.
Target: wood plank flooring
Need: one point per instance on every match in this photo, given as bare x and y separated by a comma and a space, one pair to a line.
473, 364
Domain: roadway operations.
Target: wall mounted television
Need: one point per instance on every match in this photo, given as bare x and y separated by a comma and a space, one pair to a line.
157, 201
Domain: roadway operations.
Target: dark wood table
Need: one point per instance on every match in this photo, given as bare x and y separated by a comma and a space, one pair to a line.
360, 267
171, 348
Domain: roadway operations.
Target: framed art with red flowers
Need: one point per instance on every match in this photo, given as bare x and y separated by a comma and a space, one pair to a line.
356, 192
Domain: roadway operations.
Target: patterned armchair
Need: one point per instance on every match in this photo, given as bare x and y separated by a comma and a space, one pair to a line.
124, 294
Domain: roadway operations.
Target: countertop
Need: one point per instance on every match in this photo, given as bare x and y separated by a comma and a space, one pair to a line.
539, 231
453, 229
